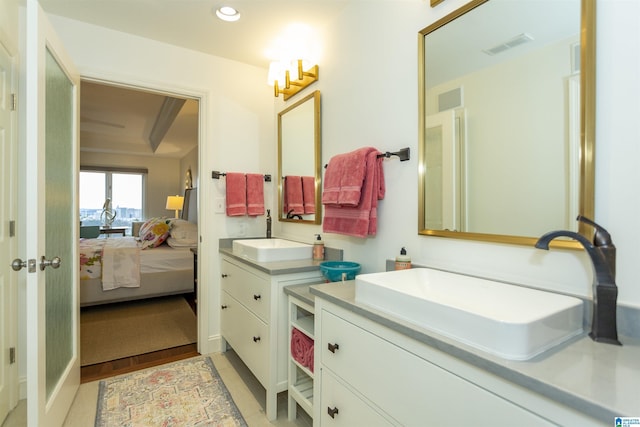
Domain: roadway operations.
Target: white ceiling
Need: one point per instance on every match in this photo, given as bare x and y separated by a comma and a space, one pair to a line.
117, 120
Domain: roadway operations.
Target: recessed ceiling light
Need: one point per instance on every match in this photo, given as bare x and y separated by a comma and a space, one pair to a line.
227, 13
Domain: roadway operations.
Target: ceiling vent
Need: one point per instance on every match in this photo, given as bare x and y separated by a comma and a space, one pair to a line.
516, 41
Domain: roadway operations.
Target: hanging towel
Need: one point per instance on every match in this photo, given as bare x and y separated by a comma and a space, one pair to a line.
255, 194
293, 201
236, 194
344, 178
361, 220
309, 194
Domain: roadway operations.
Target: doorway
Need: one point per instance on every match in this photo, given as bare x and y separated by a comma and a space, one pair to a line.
132, 128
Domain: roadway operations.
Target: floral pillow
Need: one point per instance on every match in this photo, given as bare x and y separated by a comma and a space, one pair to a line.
154, 232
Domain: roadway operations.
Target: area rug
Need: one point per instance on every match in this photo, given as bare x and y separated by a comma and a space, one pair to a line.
185, 393
113, 331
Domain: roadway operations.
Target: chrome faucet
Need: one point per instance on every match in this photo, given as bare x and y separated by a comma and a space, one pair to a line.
268, 223
602, 252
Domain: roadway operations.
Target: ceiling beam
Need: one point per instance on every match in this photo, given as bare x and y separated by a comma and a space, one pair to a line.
167, 114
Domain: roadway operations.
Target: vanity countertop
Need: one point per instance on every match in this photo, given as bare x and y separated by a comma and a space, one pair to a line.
600, 380
279, 267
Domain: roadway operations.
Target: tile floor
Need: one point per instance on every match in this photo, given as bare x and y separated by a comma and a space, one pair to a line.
244, 388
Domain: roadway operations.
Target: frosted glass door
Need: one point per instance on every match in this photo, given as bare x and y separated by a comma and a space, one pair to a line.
59, 208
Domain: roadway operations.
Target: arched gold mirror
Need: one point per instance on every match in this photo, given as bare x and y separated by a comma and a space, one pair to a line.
299, 174
507, 119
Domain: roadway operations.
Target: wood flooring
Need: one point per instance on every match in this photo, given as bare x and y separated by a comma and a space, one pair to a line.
142, 361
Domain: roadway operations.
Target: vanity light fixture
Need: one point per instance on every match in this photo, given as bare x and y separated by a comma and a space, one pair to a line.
227, 13
279, 73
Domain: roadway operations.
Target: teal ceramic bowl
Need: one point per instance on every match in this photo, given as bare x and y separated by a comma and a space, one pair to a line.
333, 270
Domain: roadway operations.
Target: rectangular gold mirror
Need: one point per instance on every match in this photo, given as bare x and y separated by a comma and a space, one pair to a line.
507, 120
299, 151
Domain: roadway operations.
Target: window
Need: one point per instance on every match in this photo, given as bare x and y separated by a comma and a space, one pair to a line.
125, 189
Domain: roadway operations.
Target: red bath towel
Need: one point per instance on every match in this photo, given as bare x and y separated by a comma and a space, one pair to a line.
293, 200
236, 194
302, 348
309, 194
361, 220
344, 178
255, 194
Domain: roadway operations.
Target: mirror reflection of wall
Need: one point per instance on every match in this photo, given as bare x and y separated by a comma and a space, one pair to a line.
501, 141
299, 161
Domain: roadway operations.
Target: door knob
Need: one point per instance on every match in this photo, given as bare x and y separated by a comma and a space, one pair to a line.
18, 264
53, 262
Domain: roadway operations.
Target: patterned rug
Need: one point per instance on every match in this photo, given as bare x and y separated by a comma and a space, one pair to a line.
185, 393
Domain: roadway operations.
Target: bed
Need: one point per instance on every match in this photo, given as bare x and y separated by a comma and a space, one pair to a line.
117, 269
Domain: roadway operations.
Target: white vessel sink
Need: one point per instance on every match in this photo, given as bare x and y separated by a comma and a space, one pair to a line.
505, 320
269, 250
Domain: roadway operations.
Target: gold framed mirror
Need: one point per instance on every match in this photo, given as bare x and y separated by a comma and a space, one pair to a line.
299, 158
507, 121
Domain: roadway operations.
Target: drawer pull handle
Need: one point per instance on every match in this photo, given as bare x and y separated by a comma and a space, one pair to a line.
224, 306
332, 411
224, 275
256, 339
333, 347
256, 297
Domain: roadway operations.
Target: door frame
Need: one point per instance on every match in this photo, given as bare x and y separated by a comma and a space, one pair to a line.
204, 344
11, 317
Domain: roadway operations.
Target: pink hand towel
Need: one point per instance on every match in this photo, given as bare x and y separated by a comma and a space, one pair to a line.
361, 220
236, 194
344, 178
309, 194
293, 200
255, 194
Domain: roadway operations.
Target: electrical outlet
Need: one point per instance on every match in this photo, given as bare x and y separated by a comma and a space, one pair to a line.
220, 205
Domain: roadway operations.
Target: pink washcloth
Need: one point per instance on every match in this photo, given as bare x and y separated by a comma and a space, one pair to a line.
293, 201
309, 194
361, 220
255, 194
236, 194
344, 178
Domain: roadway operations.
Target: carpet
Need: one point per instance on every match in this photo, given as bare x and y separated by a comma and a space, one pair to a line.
185, 393
113, 331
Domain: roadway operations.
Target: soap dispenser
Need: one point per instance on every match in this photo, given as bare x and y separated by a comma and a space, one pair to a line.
318, 248
403, 261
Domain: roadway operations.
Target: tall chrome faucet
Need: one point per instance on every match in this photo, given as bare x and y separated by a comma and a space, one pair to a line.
602, 252
268, 223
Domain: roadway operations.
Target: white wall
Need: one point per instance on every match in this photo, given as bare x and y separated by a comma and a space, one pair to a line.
236, 119
369, 97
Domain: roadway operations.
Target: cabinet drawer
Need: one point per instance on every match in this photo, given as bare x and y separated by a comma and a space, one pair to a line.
407, 387
251, 290
247, 334
351, 409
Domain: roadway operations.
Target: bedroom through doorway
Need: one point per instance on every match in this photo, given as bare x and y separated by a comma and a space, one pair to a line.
129, 226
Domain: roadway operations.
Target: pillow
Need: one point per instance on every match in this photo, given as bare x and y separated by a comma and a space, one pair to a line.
184, 233
180, 244
154, 232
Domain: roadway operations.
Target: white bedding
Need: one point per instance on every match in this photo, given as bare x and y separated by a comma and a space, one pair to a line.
164, 258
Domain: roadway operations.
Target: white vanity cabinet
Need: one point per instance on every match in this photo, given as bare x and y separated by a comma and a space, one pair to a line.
367, 371
254, 322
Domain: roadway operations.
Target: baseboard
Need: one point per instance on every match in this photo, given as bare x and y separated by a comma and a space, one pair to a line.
22, 388
213, 344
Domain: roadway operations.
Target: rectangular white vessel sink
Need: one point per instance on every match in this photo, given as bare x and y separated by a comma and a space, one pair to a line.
508, 321
269, 250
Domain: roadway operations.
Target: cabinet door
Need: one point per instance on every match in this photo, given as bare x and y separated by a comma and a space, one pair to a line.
247, 334
340, 407
251, 290
408, 388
